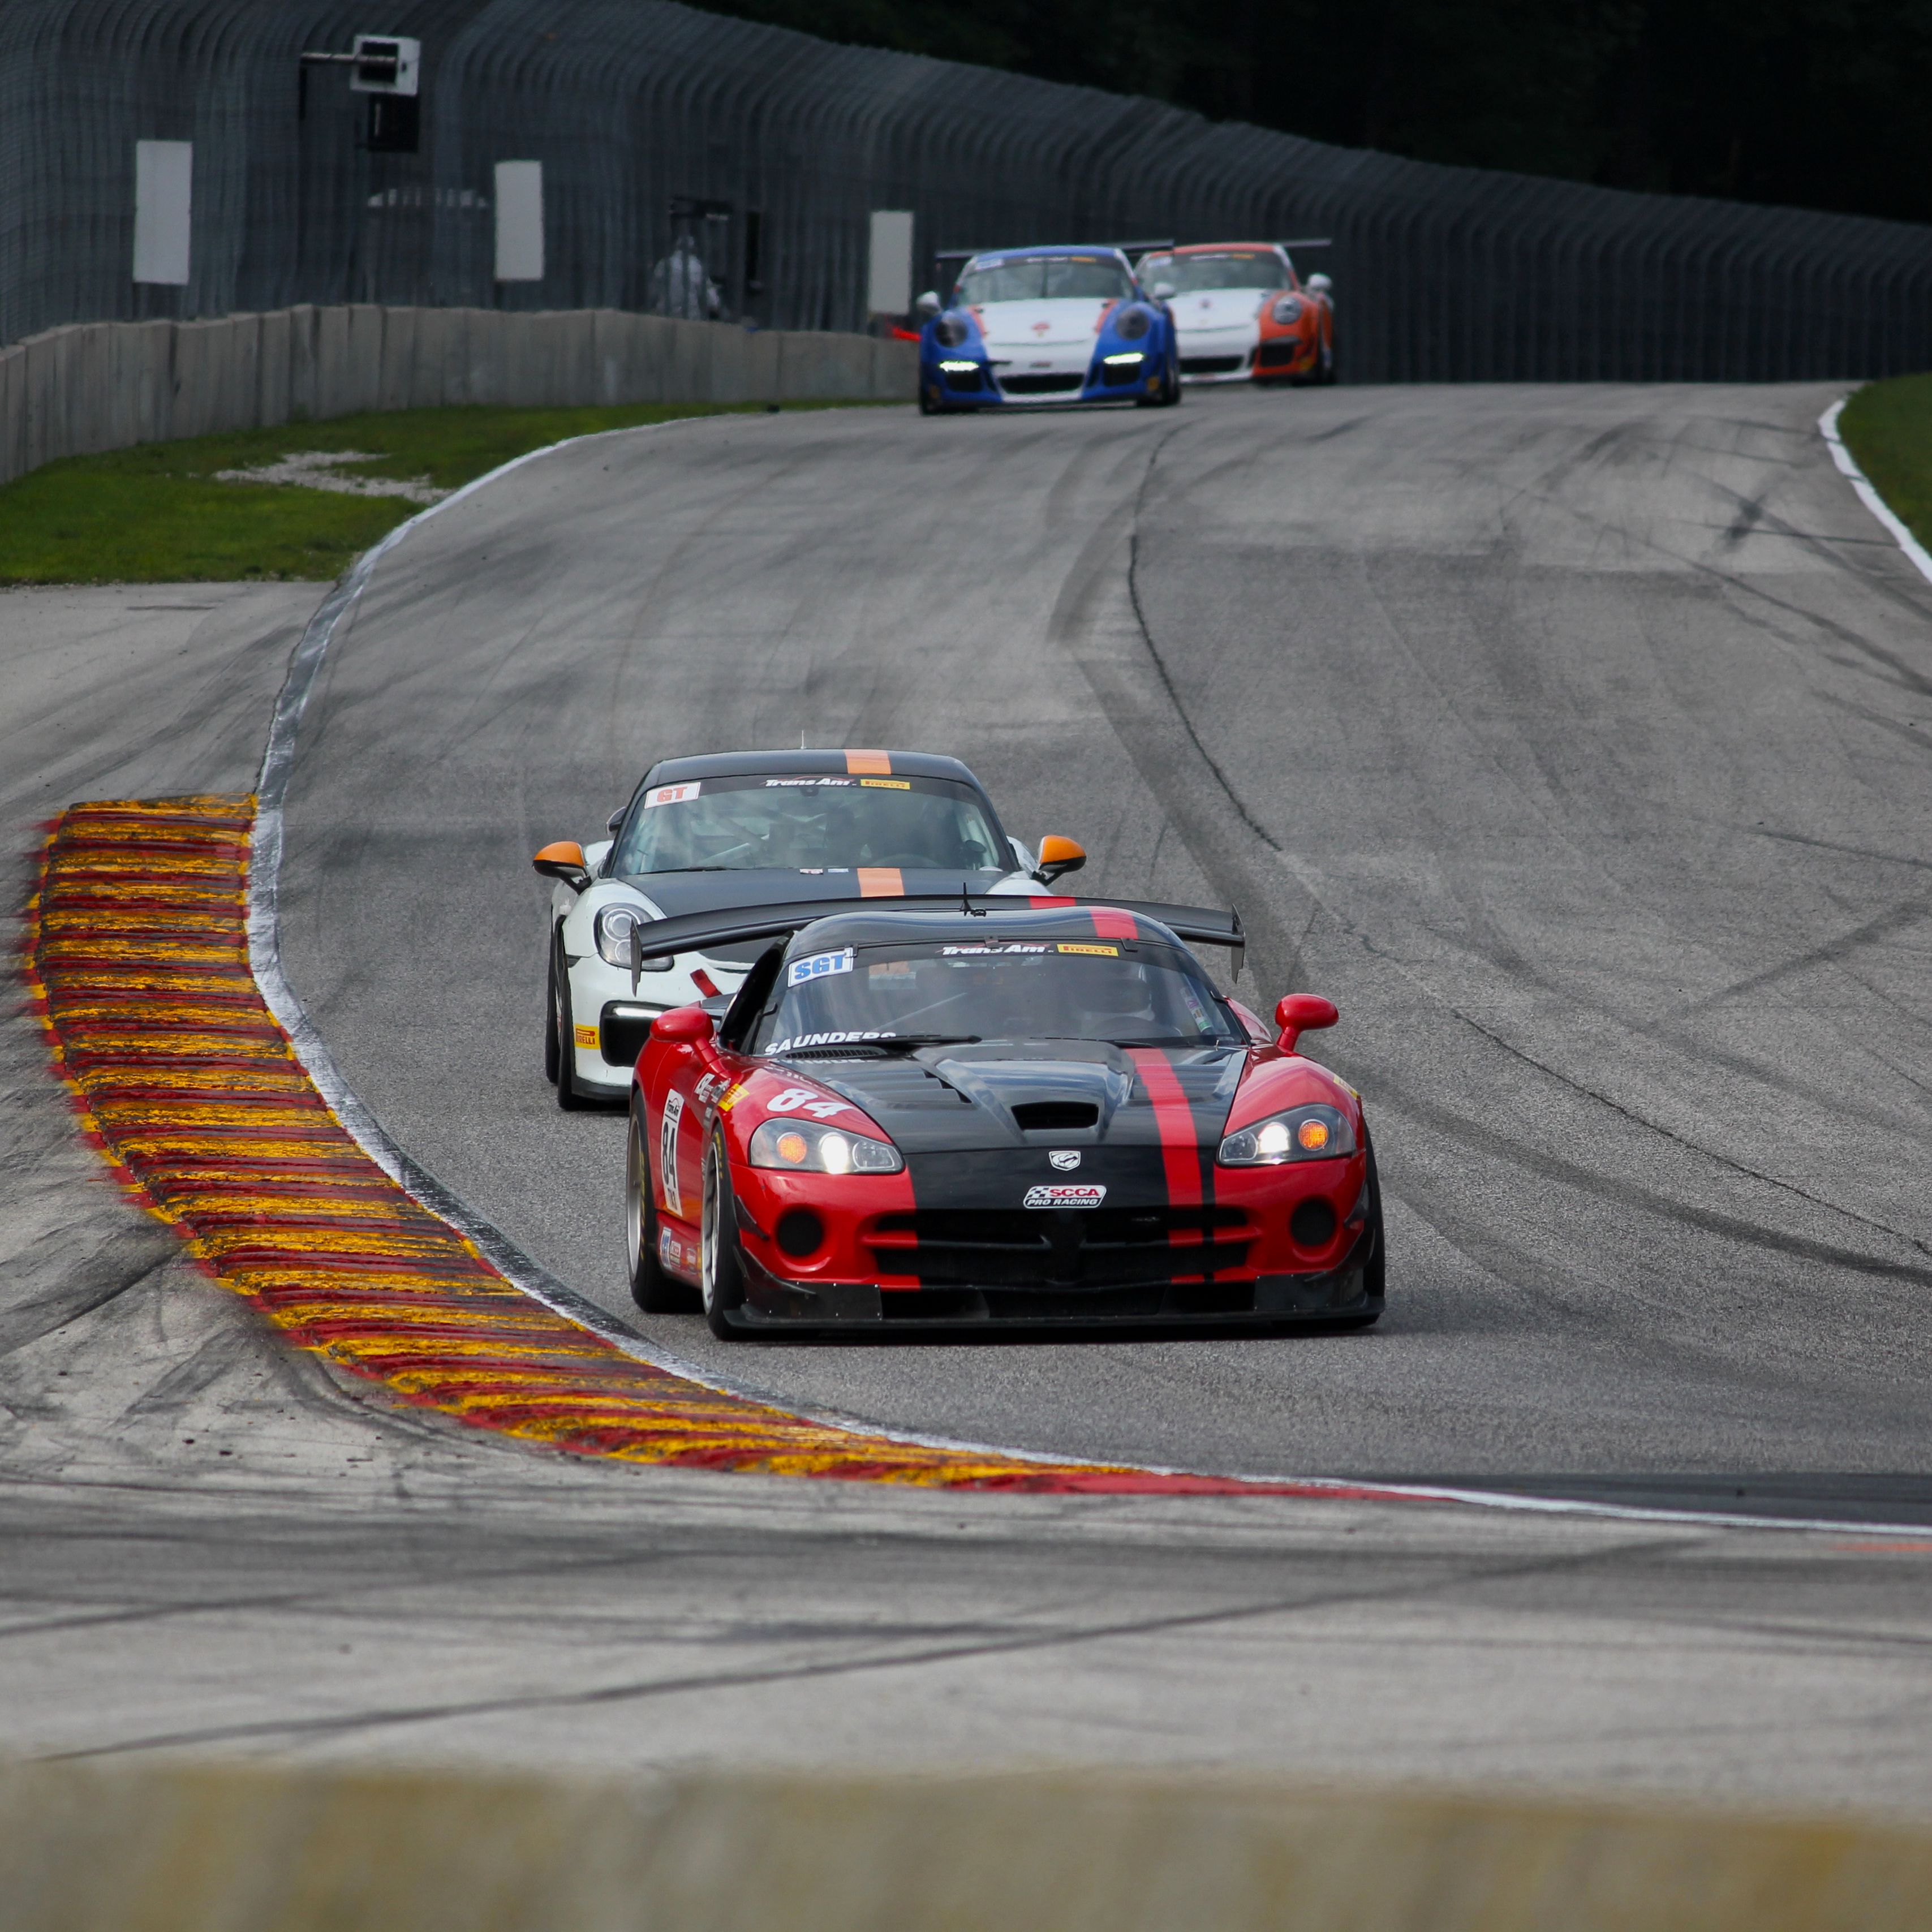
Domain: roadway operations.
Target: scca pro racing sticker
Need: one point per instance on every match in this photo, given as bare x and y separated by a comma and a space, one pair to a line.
670, 794
819, 966
1067, 1194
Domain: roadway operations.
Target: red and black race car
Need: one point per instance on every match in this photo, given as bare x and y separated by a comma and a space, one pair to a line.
994, 1113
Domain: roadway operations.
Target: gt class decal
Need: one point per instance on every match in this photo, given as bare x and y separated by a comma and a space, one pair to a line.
819, 966
1067, 1194
675, 794
673, 1112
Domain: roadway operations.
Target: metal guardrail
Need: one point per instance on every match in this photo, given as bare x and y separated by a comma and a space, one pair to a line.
783, 144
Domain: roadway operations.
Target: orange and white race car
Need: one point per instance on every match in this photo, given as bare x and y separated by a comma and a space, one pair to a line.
1242, 315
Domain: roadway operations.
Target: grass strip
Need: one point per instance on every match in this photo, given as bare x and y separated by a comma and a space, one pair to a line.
1888, 428
155, 514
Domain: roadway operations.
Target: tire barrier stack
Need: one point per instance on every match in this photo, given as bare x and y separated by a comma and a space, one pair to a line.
772, 149
101, 385
169, 1848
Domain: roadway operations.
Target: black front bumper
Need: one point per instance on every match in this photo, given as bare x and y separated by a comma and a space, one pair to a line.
773, 1305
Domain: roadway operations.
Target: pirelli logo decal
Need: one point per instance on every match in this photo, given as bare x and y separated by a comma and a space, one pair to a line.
875, 764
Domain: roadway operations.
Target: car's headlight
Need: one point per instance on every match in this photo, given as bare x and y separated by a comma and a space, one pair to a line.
949, 331
806, 1147
1289, 309
1134, 323
612, 930
1302, 1133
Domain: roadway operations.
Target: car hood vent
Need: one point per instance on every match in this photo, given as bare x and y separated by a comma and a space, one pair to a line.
1039, 1116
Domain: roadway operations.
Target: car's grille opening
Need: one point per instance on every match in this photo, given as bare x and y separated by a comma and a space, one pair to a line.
622, 1030
1312, 1223
1056, 1116
1277, 355
1118, 375
1079, 1249
800, 1232
965, 381
1211, 365
1041, 385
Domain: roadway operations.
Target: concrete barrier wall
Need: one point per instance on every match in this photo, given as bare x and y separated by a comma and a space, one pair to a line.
163, 1849
106, 385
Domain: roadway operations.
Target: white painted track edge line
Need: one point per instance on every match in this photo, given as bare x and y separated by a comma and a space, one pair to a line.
1848, 465
528, 1275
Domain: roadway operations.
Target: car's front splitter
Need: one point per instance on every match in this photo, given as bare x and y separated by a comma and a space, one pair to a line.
775, 1306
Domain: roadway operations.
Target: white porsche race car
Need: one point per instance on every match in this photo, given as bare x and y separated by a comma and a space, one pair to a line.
758, 829
1242, 314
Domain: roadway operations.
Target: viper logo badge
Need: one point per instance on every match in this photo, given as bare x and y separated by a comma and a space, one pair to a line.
1065, 1160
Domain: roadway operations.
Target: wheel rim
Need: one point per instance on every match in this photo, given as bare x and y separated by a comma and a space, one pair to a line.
634, 1199
708, 1237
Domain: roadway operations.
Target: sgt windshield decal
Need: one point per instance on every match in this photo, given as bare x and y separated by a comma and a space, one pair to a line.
671, 794
1067, 1194
819, 966
804, 1040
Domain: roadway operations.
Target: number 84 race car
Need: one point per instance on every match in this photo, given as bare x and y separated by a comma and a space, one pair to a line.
1004, 1113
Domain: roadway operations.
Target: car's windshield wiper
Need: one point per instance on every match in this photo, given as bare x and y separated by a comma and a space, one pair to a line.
906, 1042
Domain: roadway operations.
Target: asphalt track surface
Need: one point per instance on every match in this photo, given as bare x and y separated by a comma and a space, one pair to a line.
208, 1543
1572, 740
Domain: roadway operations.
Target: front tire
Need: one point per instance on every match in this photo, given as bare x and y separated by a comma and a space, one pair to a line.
1374, 1270
720, 1265
654, 1291
562, 1068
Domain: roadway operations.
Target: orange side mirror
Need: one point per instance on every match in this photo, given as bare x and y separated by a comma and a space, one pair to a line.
1301, 1013
1058, 855
563, 860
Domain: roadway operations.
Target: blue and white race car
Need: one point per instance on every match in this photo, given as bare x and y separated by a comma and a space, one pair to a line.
1045, 325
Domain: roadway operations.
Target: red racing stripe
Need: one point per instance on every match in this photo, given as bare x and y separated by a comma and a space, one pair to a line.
1110, 923
1174, 1120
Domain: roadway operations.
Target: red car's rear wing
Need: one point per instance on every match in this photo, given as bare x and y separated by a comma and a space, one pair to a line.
692, 932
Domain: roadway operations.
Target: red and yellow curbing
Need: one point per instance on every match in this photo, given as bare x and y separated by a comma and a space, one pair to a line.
138, 960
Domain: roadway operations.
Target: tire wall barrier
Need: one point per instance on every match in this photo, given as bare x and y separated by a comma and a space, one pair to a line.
786, 143
103, 386
174, 1849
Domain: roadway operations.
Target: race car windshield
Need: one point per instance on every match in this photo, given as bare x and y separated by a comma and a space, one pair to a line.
1045, 277
814, 824
1131, 994
1234, 269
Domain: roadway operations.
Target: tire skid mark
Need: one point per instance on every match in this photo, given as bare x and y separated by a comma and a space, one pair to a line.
137, 962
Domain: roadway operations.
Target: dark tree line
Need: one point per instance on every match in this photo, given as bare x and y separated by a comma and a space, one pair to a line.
1814, 103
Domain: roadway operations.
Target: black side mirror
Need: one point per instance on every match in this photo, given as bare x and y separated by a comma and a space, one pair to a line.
617, 819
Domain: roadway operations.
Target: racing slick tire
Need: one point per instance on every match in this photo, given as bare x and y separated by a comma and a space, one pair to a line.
720, 1265
654, 1291
550, 1019
1169, 396
560, 1056
1375, 1270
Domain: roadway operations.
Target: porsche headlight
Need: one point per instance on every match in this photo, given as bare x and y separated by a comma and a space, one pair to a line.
1302, 1133
1132, 324
807, 1146
1287, 309
612, 930
949, 331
